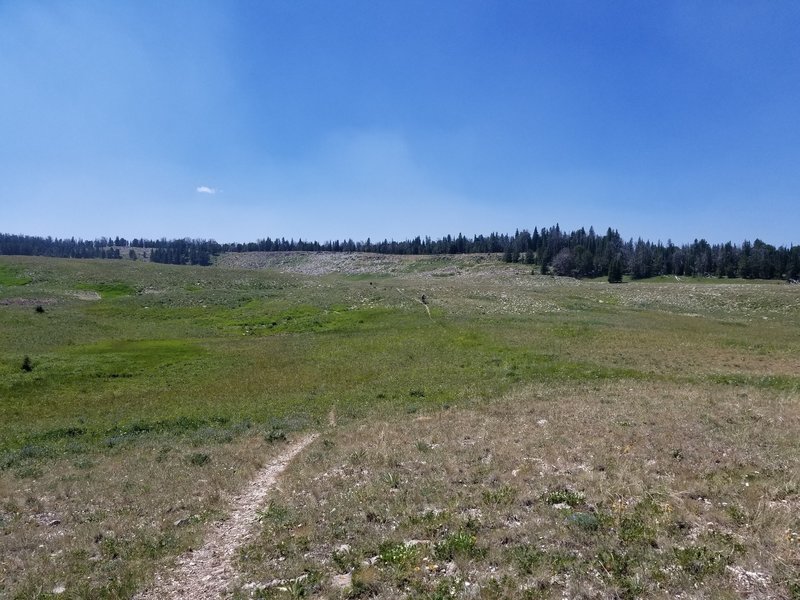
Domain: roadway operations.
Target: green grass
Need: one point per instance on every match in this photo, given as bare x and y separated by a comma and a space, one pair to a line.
133, 361
168, 342
708, 280
11, 276
108, 290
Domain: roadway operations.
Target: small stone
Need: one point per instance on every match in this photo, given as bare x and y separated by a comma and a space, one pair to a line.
342, 582
59, 589
54, 522
343, 548
182, 522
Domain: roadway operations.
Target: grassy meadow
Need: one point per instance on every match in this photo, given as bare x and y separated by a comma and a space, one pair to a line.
514, 436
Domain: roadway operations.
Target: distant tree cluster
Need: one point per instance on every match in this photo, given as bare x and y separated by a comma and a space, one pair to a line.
27, 245
577, 253
586, 254
182, 253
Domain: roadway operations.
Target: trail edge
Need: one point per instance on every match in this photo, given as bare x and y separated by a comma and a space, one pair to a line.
207, 573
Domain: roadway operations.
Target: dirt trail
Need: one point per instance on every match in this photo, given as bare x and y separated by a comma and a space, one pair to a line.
208, 572
425, 304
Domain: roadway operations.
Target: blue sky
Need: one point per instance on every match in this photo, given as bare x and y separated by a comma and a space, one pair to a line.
239, 120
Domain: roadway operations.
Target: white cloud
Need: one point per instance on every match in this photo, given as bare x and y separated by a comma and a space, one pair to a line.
204, 189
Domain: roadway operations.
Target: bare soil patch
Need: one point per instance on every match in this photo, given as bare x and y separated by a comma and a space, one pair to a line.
85, 295
27, 301
313, 263
355, 263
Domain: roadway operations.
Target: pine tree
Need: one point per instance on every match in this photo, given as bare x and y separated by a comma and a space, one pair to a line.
529, 256
615, 270
544, 267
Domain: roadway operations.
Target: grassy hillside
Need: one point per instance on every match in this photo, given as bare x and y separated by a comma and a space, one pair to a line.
541, 436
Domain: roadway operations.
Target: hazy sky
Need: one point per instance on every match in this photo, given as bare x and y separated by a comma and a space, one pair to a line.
239, 120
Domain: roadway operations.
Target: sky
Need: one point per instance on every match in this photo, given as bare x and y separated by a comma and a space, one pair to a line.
239, 120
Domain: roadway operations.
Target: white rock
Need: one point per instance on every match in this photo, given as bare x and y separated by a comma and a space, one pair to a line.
342, 582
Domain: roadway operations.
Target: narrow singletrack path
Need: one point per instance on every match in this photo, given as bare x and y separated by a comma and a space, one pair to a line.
208, 572
425, 304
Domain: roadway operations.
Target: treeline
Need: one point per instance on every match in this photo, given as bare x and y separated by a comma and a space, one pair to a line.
578, 253
28, 245
586, 254
183, 252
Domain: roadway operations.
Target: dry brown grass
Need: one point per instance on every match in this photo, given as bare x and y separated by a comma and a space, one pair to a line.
591, 491
97, 524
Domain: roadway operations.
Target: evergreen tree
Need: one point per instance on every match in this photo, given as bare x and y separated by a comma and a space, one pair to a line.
615, 270
546, 257
529, 256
